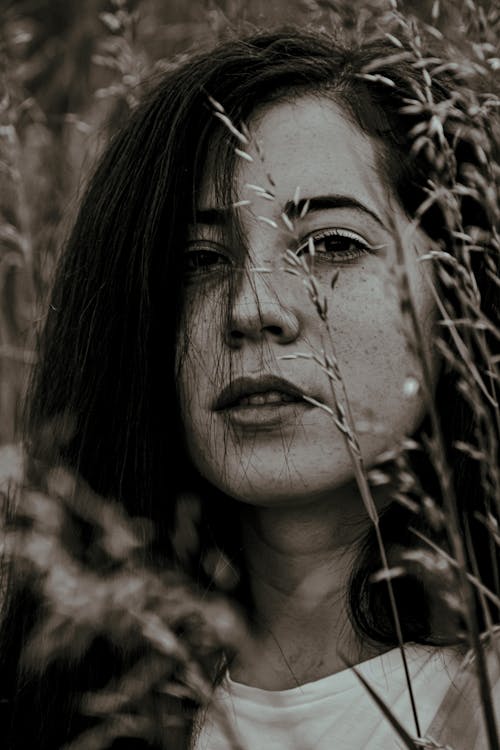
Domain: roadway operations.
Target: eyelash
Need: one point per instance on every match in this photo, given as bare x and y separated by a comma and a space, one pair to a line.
199, 250
214, 252
347, 255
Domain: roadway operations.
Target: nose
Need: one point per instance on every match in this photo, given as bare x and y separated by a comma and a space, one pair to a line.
260, 312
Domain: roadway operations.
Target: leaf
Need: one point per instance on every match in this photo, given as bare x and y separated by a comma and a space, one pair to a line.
111, 21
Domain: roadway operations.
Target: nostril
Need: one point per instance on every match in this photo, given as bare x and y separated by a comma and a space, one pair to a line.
237, 334
275, 330
266, 319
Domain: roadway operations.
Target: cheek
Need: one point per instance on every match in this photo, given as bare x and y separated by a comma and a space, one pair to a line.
366, 323
375, 355
200, 341
199, 365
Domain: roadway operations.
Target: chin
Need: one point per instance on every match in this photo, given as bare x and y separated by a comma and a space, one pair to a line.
285, 486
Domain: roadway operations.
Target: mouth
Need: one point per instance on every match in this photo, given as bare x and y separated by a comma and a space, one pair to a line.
267, 398
264, 391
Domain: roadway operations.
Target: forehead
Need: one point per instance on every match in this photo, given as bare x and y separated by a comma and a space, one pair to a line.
308, 143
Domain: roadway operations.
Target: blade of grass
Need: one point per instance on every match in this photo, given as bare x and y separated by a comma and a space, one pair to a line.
389, 715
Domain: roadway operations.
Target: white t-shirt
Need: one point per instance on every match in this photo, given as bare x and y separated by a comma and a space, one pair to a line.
335, 712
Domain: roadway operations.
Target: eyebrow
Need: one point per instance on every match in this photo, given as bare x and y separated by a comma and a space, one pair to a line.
219, 216
324, 202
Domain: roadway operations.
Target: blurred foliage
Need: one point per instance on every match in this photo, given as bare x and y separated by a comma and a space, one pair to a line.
85, 559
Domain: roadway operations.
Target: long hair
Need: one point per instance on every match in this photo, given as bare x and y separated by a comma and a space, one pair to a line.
109, 348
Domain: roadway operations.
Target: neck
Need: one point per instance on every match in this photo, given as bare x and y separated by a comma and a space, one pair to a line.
299, 562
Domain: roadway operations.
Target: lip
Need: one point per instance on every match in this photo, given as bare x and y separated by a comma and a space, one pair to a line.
239, 388
266, 416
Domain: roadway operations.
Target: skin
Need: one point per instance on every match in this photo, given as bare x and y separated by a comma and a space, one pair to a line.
301, 512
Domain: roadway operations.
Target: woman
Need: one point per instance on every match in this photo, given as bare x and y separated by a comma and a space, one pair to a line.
268, 382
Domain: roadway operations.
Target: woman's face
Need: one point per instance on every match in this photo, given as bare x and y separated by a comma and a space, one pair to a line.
247, 318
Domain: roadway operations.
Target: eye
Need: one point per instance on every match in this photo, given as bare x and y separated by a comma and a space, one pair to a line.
202, 259
335, 245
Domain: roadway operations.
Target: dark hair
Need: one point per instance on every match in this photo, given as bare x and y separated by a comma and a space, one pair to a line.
107, 366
